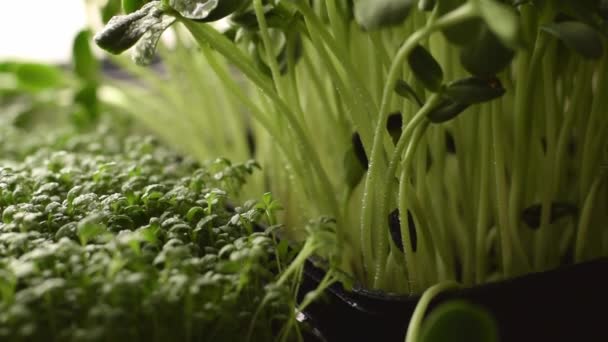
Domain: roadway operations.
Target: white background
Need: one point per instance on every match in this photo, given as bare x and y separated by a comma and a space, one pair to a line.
40, 30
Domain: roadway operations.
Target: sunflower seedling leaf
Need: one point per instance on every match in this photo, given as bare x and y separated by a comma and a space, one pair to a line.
473, 90
486, 56
426, 69
446, 110
404, 90
460, 33
145, 48
502, 19
123, 31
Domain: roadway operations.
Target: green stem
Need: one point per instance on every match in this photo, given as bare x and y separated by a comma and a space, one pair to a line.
460, 14
380, 234
411, 258
582, 88
185, 101
326, 282
585, 219
256, 113
304, 254
292, 78
205, 34
542, 239
527, 72
484, 198
362, 100
272, 61
501, 193
592, 139
337, 24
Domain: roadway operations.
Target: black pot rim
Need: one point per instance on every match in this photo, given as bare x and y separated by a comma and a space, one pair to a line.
524, 278
556, 305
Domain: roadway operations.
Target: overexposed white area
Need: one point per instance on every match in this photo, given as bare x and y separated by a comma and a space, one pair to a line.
40, 30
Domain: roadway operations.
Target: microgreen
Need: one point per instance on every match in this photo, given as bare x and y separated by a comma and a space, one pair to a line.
127, 240
32, 93
430, 131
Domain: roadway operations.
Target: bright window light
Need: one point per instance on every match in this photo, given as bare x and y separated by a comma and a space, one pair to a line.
40, 30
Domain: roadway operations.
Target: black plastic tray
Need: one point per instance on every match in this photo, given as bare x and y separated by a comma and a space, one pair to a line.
566, 304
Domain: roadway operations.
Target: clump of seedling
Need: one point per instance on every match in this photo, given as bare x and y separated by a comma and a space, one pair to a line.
111, 239
451, 140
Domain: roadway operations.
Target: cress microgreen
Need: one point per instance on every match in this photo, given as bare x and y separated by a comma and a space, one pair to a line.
110, 238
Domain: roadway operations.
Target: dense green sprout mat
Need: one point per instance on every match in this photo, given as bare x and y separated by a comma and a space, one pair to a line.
111, 239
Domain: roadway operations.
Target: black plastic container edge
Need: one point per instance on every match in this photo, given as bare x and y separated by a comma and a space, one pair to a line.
565, 304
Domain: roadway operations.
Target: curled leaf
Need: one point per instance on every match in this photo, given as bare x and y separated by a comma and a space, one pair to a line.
146, 46
123, 31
